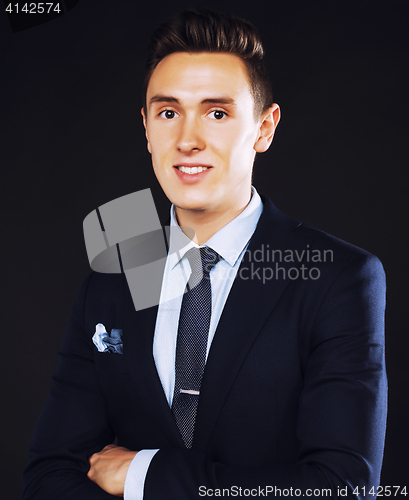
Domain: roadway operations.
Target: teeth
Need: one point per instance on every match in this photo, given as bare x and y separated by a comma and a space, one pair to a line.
192, 170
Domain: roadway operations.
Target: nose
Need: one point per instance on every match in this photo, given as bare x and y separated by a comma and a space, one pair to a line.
191, 137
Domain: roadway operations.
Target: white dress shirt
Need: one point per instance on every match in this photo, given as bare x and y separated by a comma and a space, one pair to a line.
230, 242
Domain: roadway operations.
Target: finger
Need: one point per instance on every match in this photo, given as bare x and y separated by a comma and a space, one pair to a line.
108, 447
91, 473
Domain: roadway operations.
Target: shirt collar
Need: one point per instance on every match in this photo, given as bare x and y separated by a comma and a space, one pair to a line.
228, 242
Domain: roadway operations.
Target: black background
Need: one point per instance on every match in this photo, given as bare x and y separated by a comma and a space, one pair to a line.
71, 139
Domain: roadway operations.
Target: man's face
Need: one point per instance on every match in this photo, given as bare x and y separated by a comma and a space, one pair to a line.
201, 130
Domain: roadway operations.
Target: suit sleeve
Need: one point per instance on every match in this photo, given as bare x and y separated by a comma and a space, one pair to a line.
342, 409
73, 424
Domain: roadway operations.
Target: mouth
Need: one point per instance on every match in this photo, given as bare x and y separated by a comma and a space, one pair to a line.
191, 174
191, 170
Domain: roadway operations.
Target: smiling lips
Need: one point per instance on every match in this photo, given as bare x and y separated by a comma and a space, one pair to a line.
191, 170
190, 174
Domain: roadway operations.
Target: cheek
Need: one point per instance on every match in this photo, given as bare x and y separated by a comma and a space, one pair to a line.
226, 143
236, 139
238, 152
161, 143
157, 149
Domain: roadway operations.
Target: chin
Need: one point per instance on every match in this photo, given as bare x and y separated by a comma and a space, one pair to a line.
193, 205
190, 202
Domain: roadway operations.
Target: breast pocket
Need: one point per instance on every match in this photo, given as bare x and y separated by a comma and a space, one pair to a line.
110, 362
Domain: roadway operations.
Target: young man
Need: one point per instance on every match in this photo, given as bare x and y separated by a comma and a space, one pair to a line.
288, 392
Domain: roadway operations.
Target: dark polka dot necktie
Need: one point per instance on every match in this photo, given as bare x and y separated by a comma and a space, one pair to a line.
191, 345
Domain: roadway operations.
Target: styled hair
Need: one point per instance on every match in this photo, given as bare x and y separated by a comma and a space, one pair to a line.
207, 31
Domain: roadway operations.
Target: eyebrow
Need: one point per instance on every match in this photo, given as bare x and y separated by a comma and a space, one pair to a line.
208, 100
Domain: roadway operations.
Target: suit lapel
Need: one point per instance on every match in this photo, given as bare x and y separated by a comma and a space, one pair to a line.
138, 356
249, 304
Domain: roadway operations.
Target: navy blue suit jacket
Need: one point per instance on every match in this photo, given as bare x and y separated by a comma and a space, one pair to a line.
293, 394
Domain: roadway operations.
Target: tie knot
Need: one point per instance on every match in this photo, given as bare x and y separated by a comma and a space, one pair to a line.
202, 260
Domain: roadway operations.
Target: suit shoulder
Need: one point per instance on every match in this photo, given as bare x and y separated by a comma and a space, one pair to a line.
338, 253
324, 240
344, 255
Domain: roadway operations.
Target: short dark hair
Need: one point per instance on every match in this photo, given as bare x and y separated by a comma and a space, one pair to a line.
207, 31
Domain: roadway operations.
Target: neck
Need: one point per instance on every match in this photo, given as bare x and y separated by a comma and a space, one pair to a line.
205, 223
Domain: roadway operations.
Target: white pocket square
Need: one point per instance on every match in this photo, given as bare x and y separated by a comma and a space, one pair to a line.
108, 343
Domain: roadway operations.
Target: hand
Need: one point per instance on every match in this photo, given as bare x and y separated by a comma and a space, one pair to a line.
108, 468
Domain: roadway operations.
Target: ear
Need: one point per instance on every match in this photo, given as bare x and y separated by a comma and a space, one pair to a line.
146, 129
268, 123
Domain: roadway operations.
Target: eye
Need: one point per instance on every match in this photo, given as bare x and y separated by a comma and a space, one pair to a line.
218, 114
168, 114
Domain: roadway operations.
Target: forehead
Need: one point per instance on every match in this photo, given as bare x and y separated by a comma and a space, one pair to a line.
200, 75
